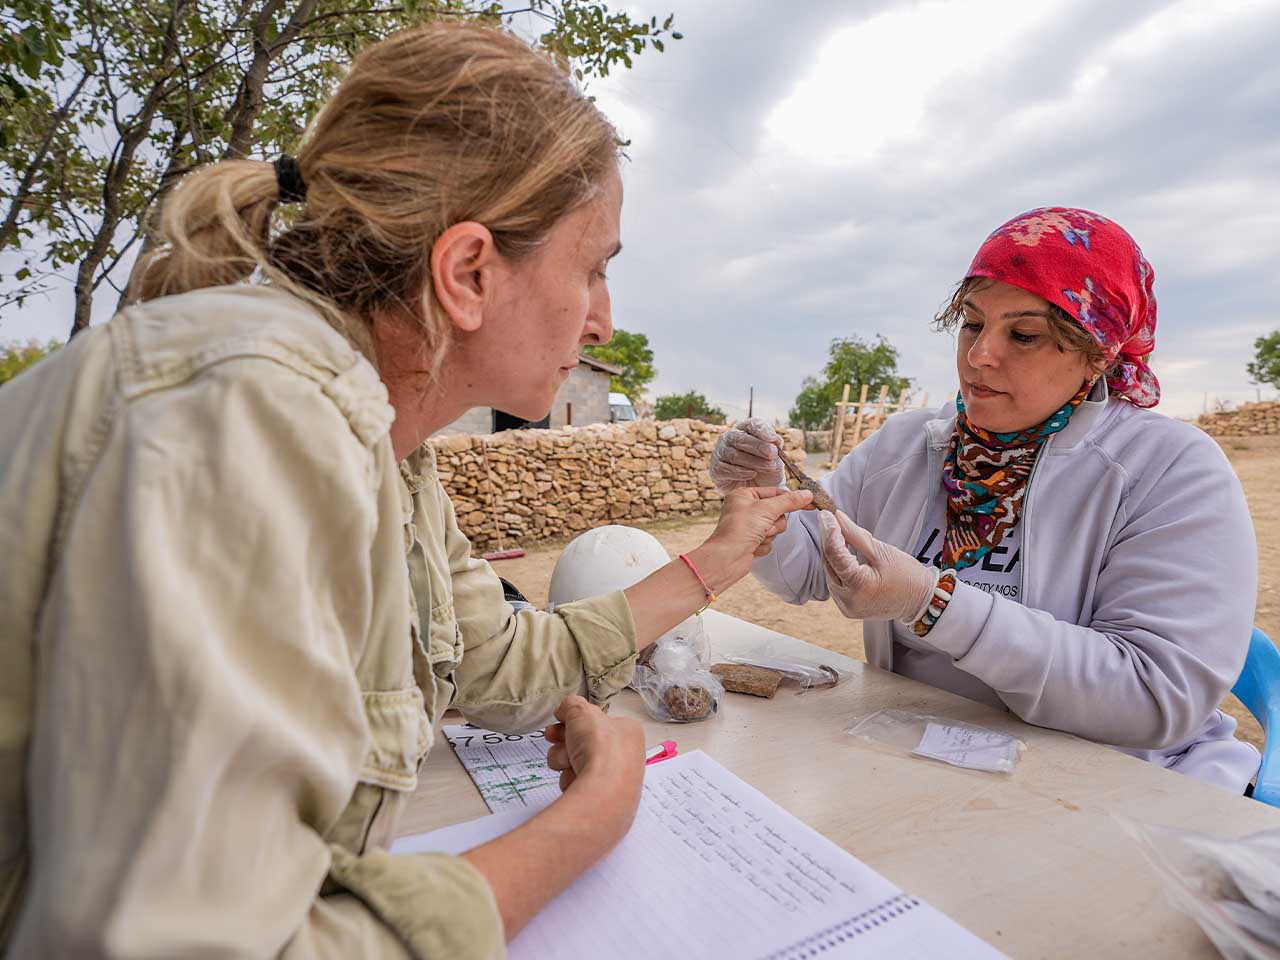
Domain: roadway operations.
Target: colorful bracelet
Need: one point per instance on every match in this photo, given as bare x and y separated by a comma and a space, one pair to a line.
942, 592
711, 597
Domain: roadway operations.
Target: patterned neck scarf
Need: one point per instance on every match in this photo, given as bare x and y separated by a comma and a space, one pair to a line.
985, 476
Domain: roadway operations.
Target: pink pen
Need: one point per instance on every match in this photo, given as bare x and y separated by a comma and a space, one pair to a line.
664, 751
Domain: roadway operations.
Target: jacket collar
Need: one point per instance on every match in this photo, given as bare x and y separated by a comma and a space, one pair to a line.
1085, 418
419, 468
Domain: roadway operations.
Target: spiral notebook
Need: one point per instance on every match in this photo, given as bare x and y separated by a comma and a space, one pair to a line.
712, 867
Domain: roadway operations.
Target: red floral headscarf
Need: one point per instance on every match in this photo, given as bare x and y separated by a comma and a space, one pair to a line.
1091, 268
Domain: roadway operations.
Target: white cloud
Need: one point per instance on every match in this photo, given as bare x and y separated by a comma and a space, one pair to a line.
769, 215
1185, 21
870, 81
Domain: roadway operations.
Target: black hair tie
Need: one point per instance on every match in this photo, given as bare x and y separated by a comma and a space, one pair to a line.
293, 189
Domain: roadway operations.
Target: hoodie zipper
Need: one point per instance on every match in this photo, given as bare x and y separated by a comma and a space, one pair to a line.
934, 468
1026, 520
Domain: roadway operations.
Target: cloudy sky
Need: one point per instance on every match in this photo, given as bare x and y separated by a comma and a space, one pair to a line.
804, 171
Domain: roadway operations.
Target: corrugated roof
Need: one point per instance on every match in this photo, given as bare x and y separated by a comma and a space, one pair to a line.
596, 364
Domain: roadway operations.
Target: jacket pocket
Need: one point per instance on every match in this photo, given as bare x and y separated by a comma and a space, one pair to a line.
444, 640
399, 736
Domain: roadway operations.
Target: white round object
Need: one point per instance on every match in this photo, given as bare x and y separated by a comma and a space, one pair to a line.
603, 560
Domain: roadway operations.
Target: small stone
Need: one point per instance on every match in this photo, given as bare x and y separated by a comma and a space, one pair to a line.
688, 703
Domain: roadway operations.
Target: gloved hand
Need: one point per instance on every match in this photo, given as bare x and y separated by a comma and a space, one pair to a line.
747, 456
886, 584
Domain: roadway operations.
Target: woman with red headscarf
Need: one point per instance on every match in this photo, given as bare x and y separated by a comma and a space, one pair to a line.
1045, 544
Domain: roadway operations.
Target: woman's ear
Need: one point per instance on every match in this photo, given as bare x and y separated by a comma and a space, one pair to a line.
462, 262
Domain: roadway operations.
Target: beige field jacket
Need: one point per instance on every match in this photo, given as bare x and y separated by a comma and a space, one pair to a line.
229, 625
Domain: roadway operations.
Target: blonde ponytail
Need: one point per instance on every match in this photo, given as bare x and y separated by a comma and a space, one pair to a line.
216, 224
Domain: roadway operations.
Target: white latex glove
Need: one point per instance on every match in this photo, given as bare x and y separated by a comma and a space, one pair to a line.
886, 584
747, 456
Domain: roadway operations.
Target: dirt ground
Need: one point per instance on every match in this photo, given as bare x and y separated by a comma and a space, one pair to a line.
1256, 461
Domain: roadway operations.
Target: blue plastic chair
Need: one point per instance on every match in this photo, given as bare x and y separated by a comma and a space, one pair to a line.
1259, 690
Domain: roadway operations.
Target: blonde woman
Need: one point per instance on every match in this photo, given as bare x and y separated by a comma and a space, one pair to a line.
235, 599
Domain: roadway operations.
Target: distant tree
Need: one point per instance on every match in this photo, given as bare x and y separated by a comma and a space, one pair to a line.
631, 352
691, 404
813, 408
16, 357
1265, 367
850, 360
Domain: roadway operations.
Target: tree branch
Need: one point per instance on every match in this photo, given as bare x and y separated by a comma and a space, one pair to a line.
118, 171
248, 103
22, 194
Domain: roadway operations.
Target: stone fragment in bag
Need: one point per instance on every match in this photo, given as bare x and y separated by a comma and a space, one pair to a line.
741, 678
688, 703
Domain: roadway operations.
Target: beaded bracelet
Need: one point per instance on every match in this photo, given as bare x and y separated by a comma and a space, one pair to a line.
942, 592
711, 597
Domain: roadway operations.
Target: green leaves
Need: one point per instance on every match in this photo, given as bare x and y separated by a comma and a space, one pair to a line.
813, 406
631, 352
692, 404
1265, 366
850, 360
31, 37
35, 38
16, 357
596, 39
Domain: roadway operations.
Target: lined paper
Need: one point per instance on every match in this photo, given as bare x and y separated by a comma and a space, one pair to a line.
712, 867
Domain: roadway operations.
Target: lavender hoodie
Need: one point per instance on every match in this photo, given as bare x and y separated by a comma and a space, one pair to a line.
1139, 576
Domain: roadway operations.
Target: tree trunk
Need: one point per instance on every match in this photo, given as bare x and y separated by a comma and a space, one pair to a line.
242, 114
117, 175
244, 110
175, 169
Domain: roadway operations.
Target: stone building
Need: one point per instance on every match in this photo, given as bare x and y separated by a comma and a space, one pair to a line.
583, 399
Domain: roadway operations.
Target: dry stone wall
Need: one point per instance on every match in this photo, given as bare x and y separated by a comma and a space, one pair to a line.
817, 441
853, 433
525, 486
1251, 420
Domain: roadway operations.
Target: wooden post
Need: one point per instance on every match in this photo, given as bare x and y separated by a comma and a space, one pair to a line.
902, 401
924, 401
838, 426
857, 424
884, 392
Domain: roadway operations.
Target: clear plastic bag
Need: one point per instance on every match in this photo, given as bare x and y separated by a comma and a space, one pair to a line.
674, 682
938, 738
805, 674
1230, 887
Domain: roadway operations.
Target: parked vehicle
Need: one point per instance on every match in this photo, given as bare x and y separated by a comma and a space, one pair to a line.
620, 408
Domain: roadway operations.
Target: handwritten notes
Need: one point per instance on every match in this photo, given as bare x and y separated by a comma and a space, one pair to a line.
969, 747
712, 867
510, 770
